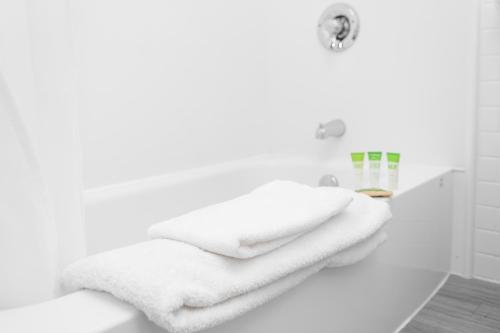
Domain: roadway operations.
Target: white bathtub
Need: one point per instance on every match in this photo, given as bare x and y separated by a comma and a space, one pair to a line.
375, 296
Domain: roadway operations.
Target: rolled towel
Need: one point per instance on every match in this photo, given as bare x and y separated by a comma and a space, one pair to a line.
261, 221
184, 289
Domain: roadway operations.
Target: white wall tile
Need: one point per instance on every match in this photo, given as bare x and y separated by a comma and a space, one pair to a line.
490, 42
489, 119
488, 169
487, 267
489, 68
488, 242
488, 194
488, 218
489, 144
490, 14
489, 93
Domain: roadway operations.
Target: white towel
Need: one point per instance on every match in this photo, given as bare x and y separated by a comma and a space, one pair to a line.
358, 252
261, 221
190, 319
184, 289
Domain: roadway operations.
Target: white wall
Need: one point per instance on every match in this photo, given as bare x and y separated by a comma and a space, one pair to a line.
168, 85
405, 85
487, 236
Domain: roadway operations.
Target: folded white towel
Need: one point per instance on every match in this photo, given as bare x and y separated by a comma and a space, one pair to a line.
183, 288
261, 221
358, 252
190, 319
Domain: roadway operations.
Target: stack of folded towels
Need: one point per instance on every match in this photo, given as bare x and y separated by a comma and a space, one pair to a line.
218, 262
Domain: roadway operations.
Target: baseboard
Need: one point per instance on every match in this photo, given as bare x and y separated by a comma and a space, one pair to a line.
486, 279
462, 275
434, 292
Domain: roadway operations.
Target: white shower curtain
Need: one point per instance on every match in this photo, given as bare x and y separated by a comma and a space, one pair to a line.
28, 239
41, 219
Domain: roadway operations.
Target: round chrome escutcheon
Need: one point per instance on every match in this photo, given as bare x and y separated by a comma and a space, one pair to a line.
338, 27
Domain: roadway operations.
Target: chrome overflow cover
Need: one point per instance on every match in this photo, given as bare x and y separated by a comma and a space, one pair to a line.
338, 27
328, 181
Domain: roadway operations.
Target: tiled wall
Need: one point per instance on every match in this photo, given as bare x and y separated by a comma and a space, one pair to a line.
487, 243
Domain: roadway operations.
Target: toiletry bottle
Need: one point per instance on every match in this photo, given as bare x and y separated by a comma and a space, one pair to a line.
358, 164
374, 160
393, 170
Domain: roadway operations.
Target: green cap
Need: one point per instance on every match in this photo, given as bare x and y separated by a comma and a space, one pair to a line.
358, 157
393, 157
375, 155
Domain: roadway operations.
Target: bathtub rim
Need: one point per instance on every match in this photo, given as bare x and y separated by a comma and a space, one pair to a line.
98, 195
